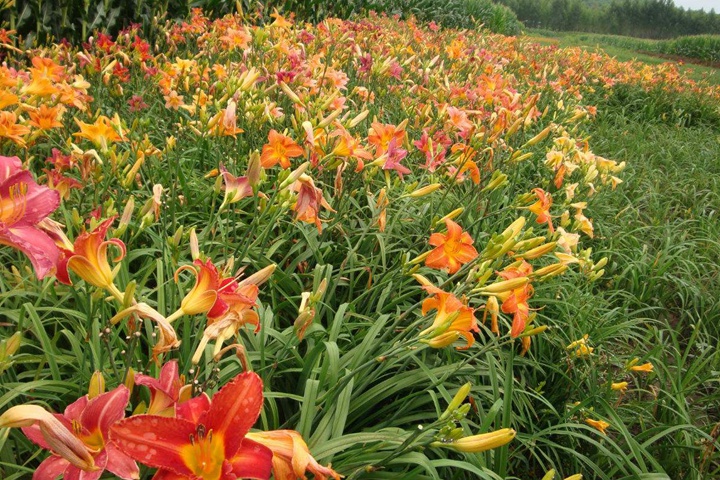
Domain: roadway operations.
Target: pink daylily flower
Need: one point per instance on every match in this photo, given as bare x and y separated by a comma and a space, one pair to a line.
78, 438
23, 204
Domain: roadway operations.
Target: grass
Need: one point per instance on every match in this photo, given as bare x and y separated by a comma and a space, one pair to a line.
594, 42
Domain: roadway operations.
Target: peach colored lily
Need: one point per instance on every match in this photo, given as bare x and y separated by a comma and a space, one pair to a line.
77, 438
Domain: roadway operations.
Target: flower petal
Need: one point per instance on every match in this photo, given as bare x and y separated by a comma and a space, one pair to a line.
51, 468
154, 441
193, 409
235, 408
36, 244
252, 460
105, 409
120, 464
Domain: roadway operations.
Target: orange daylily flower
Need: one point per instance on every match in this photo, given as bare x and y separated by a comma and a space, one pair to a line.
7, 98
204, 293
381, 134
541, 208
516, 301
598, 424
280, 148
645, 368
452, 250
100, 133
9, 128
89, 259
280, 21
460, 317
45, 118
291, 455
46, 67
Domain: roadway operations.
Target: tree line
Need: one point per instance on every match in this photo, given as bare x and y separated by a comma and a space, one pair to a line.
637, 18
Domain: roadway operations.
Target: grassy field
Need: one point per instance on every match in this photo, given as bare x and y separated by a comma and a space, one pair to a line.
593, 42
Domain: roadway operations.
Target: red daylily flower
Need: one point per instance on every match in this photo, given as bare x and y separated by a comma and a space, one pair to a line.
394, 156
24, 204
452, 250
77, 438
207, 440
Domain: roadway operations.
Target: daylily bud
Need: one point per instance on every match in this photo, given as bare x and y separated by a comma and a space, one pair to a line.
550, 271
514, 228
130, 379
457, 400
498, 179
480, 443
452, 215
420, 258
538, 138
538, 252
422, 280
550, 475
517, 157
126, 217
291, 95
250, 77
599, 265
577, 476
12, 345
504, 286
259, 277
359, 118
534, 331
530, 243
194, 244
254, 169
97, 385
426, 190
329, 119
294, 175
